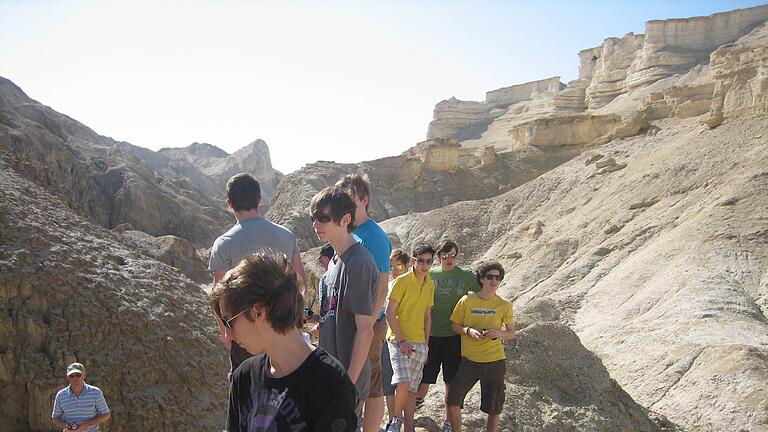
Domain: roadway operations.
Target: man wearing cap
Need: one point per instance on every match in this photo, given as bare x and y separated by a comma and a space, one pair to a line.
79, 406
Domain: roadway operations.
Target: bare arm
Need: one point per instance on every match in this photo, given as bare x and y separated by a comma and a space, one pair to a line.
507, 334
298, 267
427, 323
391, 312
360, 346
469, 331
381, 295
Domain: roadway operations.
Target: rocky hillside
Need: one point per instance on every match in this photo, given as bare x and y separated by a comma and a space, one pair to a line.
651, 244
70, 291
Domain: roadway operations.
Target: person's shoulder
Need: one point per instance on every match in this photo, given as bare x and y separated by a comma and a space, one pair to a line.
359, 255
327, 367
246, 367
92, 389
62, 392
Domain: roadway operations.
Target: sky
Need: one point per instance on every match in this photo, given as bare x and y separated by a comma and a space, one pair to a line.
317, 80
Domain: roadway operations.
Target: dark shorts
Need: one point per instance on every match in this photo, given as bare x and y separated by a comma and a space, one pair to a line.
491, 376
374, 357
445, 351
386, 371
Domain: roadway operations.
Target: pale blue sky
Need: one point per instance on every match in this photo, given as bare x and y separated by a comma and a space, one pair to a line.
343, 81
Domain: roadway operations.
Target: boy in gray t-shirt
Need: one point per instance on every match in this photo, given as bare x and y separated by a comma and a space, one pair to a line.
351, 285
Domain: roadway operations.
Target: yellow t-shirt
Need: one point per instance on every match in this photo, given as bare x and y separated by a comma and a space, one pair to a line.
413, 300
472, 311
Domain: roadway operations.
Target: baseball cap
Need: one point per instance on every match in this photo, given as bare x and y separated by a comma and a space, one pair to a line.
75, 368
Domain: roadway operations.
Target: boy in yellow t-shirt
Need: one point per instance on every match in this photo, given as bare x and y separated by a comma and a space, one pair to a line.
478, 318
409, 319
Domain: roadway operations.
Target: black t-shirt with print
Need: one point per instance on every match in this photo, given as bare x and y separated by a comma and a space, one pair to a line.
318, 396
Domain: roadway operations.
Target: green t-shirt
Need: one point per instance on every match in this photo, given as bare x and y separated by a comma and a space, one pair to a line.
450, 287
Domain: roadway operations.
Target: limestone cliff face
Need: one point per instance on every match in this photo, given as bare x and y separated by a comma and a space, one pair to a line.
71, 291
668, 47
465, 120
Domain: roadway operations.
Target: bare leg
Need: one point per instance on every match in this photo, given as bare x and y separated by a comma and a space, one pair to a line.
454, 416
410, 409
423, 389
391, 406
401, 395
445, 398
493, 423
373, 414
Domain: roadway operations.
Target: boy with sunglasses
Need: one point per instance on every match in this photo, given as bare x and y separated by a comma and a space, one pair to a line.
409, 319
483, 320
289, 384
350, 289
373, 238
451, 284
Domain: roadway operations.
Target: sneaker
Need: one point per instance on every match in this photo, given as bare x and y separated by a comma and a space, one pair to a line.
395, 425
446, 428
419, 403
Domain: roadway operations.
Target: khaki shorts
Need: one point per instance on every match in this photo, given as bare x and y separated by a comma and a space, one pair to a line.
491, 376
374, 357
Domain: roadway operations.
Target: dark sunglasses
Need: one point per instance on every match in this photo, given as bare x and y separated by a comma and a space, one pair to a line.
447, 256
75, 375
399, 267
424, 261
228, 322
322, 218
498, 277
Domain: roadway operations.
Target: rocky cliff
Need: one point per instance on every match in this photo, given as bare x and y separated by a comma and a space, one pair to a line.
71, 291
98, 177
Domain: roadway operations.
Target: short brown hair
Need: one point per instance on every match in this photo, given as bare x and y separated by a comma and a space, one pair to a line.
243, 192
338, 202
266, 279
485, 267
445, 246
357, 184
399, 255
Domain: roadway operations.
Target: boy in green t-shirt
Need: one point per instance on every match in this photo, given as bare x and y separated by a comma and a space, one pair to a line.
483, 320
451, 283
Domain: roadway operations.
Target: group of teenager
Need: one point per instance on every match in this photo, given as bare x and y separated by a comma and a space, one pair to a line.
388, 321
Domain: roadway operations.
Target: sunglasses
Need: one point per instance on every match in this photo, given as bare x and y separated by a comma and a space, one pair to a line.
322, 218
228, 322
447, 256
424, 261
74, 375
490, 277
399, 267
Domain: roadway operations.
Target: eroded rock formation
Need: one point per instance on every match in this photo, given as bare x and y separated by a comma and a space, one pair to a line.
70, 291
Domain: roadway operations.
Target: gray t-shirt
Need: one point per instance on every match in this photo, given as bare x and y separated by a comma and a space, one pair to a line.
250, 236
350, 289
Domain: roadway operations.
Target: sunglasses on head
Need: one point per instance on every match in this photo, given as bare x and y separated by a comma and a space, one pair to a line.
424, 261
75, 375
489, 277
320, 217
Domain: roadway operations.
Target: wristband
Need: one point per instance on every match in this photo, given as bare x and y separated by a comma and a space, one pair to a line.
401, 341
466, 331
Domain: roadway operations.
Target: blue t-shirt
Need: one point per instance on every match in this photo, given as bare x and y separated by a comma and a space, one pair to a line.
373, 238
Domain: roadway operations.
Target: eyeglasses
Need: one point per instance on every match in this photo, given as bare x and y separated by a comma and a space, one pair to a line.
447, 256
399, 267
74, 375
490, 277
227, 322
322, 218
424, 261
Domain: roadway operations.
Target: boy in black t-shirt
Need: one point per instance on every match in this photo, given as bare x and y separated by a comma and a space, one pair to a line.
289, 384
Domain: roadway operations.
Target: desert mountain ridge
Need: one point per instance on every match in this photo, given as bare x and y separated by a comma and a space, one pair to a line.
629, 208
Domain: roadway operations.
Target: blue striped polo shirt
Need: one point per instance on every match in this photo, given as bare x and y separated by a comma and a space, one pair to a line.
77, 409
